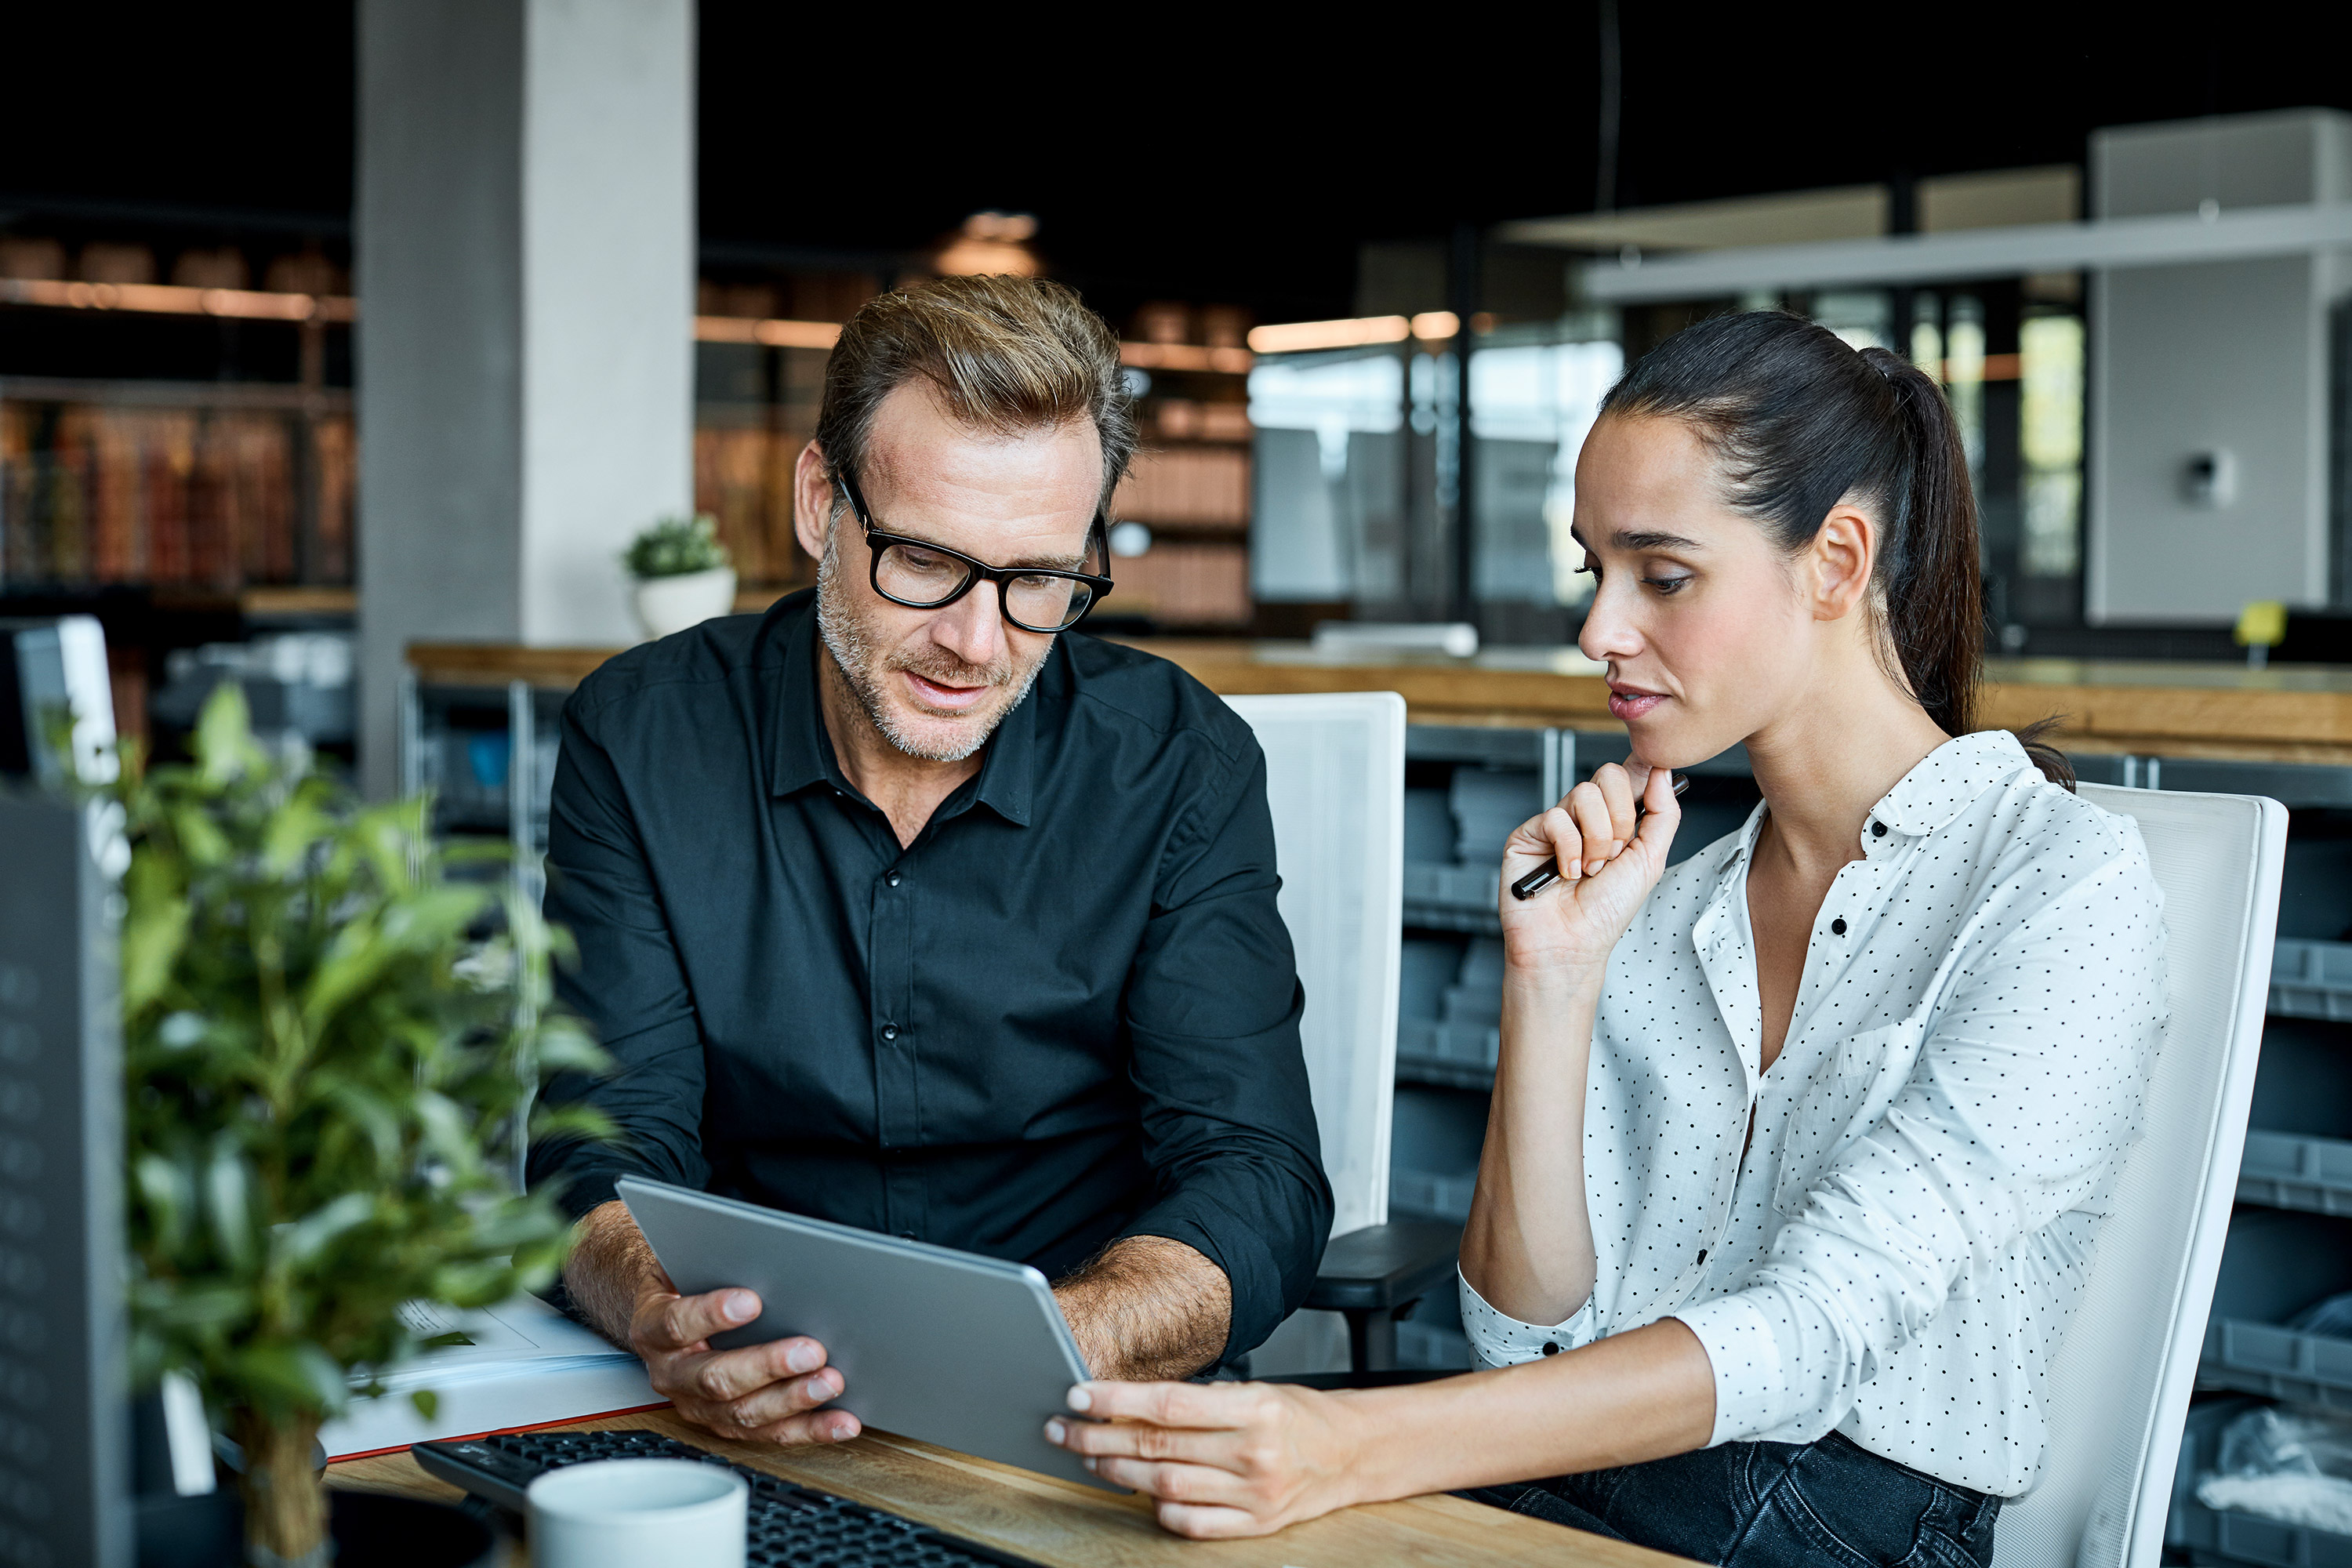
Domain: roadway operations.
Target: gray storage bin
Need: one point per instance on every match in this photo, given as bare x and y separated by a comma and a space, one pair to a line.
1452, 898
1487, 803
2276, 1264
1427, 968
1428, 826
2215, 1537
2286, 1171
1461, 1055
1476, 996
2312, 980
1429, 1195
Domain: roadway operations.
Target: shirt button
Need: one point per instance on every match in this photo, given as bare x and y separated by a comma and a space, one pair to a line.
1551, 1348
1702, 1255
892, 878
889, 1031
1878, 830
1838, 925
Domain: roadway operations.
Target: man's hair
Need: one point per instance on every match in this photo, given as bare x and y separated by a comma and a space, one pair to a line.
1005, 354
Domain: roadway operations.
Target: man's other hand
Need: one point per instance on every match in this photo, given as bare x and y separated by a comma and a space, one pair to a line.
770, 1392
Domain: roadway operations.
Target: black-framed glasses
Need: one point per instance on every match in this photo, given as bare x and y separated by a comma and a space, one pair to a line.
925, 576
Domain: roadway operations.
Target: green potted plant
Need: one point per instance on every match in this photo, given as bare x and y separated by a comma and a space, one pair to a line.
684, 575
328, 1053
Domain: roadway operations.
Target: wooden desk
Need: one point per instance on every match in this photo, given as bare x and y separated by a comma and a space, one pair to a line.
1071, 1526
2290, 714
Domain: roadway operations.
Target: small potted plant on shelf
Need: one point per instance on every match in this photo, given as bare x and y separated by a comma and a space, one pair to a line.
331, 1046
684, 575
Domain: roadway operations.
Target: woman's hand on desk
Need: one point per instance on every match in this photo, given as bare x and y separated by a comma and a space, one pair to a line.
1218, 1458
1610, 857
768, 1392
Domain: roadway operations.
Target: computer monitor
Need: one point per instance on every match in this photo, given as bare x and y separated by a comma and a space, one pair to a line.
64, 1418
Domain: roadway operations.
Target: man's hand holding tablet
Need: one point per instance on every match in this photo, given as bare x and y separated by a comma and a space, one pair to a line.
769, 1391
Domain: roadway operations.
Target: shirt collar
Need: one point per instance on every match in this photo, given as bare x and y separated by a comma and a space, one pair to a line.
1943, 783
1937, 790
1732, 851
802, 754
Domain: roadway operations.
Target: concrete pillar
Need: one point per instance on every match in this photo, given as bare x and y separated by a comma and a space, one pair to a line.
525, 259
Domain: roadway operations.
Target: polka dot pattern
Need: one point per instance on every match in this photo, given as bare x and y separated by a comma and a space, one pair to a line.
1900, 1248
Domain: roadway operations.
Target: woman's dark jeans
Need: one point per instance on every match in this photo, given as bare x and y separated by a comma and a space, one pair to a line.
1771, 1505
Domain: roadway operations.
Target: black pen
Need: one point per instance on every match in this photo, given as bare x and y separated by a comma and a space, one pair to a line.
1545, 875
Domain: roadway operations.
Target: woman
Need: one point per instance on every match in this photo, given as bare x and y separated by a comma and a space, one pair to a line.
1797, 1151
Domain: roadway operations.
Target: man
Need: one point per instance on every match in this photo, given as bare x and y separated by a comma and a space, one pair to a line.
901, 906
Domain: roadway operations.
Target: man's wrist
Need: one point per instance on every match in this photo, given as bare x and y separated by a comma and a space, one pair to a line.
610, 1270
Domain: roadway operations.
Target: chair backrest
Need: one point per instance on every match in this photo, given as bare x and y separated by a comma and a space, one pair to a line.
1335, 779
2119, 1385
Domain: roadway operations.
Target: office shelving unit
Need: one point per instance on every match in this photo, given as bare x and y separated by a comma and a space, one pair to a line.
460, 742
2290, 1242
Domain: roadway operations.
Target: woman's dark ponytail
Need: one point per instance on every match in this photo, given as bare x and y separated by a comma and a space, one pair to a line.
1930, 576
1799, 422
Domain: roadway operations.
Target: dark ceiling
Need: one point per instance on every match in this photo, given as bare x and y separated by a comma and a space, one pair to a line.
1208, 156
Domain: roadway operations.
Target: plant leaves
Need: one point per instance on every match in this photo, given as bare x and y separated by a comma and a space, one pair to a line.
229, 1203
319, 1104
155, 931
310, 1235
224, 739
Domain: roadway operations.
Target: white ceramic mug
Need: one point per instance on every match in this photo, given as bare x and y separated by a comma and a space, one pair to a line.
628, 1513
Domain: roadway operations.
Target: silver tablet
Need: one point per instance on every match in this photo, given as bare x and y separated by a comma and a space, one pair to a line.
966, 1351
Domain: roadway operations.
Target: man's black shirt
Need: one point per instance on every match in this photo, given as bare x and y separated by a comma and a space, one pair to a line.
1066, 1014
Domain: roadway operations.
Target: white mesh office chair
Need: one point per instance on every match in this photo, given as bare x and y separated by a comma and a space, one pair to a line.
1335, 782
2119, 1385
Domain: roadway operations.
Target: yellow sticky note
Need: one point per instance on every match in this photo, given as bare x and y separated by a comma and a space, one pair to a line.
2261, 623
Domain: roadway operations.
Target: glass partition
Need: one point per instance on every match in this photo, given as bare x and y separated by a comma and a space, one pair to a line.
1358, 478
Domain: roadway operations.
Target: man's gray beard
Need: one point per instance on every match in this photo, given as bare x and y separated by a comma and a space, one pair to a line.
853, 653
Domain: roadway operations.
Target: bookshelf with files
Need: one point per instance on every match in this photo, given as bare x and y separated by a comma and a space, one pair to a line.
195, 487
1186, 567
178, 450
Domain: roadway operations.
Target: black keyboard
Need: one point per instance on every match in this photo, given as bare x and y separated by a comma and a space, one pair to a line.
791, 1526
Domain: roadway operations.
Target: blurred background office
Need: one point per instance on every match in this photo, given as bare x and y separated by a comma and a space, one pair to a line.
335, 331
593, 264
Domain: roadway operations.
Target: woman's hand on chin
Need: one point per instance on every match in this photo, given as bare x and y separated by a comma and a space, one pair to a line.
1610, 859
1217, 1459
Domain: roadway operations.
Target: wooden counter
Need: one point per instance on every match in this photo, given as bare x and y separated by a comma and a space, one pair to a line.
2291, 714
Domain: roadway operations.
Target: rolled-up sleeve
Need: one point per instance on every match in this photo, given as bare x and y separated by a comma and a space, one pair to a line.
629, 985
1211, 1013
1497, 1339
2022, 1103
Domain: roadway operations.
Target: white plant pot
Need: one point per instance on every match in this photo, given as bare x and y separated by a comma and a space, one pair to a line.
667, 604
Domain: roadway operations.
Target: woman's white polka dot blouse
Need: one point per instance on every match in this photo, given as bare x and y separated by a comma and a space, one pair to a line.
1934, 1148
